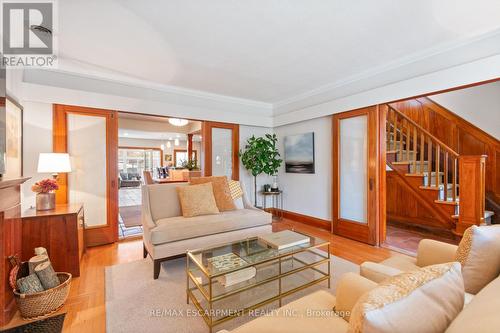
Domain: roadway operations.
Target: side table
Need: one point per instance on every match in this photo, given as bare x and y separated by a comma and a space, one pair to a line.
60, 231
277, 202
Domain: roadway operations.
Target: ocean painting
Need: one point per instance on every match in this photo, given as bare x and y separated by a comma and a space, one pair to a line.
299, 153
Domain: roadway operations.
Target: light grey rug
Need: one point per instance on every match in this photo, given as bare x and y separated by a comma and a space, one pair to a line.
137, 303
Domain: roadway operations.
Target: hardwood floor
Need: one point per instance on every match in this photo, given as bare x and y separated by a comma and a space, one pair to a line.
85, 307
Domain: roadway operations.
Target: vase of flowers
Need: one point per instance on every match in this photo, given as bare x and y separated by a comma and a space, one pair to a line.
45, 194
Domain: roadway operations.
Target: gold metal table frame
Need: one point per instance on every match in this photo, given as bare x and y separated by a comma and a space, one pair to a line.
207, 314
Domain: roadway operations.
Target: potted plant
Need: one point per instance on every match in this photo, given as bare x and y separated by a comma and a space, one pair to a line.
261, 156
192, 167
45, 195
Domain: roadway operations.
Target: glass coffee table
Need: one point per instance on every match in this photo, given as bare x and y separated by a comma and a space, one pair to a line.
276, 274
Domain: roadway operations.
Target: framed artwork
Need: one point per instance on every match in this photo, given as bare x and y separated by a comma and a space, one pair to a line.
299, 153
168, 157
13, 139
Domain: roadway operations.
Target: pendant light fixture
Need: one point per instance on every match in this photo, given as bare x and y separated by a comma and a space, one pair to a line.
178, 122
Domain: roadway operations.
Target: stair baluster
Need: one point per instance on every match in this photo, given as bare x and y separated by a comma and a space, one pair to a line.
445, 176
438, 179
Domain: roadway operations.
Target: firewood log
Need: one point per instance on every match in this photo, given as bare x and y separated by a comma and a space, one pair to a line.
39, 251
35, 261
29, 284
47, 276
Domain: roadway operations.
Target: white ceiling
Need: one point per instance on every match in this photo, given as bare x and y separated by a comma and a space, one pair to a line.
261, 50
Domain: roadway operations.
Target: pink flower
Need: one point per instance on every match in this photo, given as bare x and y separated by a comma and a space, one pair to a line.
45, 186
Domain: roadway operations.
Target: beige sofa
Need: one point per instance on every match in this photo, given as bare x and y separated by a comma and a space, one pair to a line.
312, 313
167, 234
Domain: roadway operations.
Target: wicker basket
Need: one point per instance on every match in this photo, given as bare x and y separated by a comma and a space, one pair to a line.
44, 303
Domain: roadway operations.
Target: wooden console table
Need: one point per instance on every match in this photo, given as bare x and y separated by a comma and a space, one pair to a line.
60, 231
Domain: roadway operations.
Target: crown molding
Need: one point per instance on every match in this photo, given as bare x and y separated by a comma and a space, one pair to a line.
125, 80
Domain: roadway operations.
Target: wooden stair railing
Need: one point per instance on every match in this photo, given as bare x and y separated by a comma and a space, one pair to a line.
427, 156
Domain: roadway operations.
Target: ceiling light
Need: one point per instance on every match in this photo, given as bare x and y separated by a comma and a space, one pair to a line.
169, 144
176, 142
162, 147
177, 121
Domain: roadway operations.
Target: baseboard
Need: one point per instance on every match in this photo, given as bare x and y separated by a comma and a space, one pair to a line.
306, 219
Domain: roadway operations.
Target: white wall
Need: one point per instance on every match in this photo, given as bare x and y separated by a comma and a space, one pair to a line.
479, 105
245, 176
37, 138
309, 194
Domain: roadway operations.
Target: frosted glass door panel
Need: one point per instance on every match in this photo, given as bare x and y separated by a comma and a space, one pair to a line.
222, 153
353, 168
87, 182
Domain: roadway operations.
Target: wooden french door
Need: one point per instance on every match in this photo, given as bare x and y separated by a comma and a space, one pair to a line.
90, 136
355, 207
220, 149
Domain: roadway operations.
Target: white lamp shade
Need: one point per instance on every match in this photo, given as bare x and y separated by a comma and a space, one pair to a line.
53, 163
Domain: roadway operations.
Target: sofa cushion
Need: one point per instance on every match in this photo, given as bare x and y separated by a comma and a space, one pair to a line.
425, 300
481, 314
221, 191
179, 228
163, 200
479, 254
197, 200
311, 313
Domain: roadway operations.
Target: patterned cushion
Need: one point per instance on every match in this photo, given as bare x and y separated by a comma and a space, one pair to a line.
235, 188
221, 191
479, 254
425, 300
197, 200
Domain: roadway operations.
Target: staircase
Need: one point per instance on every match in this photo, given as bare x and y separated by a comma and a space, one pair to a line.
433, 170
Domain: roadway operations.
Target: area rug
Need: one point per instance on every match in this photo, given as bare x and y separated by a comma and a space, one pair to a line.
135, 302
131, 216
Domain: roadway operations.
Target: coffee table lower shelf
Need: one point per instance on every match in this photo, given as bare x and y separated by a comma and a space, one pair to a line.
207, 313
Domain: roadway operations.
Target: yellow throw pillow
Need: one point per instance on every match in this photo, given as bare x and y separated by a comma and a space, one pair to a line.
235, 189
197, 200
479, 254
221, 189
424, 300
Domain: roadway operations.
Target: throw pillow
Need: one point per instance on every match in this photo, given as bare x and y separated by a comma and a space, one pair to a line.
197, 200
235, 189
236, 194
424, 300
221, 189
479, 254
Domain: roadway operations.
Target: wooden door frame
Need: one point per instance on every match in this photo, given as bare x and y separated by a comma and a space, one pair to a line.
369, 233
102, 234
206, 130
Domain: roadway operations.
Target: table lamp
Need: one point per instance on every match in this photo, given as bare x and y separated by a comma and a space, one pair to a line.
45, 189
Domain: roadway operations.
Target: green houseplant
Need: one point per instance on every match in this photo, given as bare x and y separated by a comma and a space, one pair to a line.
261, 156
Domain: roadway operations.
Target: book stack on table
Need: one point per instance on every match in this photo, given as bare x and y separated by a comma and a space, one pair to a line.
230, 261
284, 239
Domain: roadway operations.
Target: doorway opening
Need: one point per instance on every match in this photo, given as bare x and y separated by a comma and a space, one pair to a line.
152, 149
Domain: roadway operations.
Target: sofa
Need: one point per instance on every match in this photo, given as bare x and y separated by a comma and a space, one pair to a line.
312, 313
128, 179
167, 234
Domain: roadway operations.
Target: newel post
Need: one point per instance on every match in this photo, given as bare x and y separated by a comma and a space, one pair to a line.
472, 171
